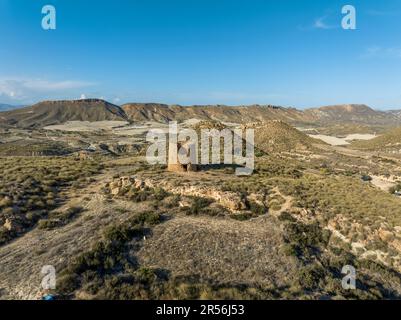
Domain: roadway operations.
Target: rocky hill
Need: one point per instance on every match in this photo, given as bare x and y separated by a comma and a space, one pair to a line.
395, 113
56, 112
352, 113
278, 136
238, 114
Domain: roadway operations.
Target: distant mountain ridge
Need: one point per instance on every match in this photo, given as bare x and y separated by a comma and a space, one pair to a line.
356, 113
395, 113
56, 112
238, 114
350, 113
6, 107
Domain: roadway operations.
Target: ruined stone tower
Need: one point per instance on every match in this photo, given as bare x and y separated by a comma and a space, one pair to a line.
173, 162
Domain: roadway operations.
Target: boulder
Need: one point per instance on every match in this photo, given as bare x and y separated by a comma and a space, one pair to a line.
139, 184
397, 245
385, 235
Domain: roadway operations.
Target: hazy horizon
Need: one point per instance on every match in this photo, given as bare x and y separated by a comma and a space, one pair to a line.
195, 105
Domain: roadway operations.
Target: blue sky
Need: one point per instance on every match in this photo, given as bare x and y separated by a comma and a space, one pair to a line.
283, 52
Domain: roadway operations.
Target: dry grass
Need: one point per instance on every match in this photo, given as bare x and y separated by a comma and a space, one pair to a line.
219, 250
30, 187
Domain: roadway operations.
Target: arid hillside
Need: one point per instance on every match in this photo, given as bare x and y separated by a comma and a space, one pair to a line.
55, 112
242, 114
352, 113
388, 142
278, 136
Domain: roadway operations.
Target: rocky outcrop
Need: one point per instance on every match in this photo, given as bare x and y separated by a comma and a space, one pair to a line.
121, 183
230, 200
385, 235
84, 155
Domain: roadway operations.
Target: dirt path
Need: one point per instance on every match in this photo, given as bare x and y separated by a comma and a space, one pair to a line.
382, 183
286, 206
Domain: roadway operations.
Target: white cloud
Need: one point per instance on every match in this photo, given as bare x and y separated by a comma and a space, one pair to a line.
83, 96
43, 85
320, 23
26, 88
380, 52
7, 88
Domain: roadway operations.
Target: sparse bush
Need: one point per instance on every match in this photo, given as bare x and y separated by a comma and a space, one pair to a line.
198, 206
107, 256
58, 219
256, 209
160, 193
48, 224
286, 216
311, 276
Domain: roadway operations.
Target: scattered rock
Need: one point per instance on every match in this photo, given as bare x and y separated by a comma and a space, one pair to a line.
121, 183
228, 199
184, 203
397, 245
385, 235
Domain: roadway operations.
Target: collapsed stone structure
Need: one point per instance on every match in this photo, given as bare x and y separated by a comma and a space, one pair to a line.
233, 201
117, 185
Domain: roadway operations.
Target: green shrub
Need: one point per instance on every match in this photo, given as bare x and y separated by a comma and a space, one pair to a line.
160, 194
58, 219
311, 276
32, 185
198, 206
287, 217
48, 224
256, 209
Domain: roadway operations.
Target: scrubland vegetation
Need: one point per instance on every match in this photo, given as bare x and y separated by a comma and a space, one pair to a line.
110, 270
389, 141
31, 187
34, 148
304, 213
